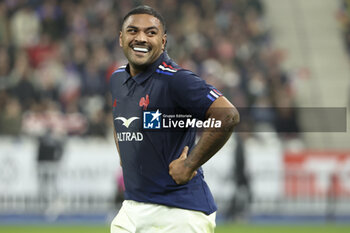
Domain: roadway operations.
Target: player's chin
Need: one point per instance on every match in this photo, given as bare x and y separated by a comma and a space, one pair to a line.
141, 61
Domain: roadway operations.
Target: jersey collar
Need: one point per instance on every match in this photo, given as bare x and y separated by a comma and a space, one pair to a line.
143, 76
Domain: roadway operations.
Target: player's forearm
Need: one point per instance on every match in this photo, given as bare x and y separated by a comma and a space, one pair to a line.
212, 140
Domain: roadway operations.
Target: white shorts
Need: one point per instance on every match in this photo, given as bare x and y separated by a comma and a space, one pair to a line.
137, 217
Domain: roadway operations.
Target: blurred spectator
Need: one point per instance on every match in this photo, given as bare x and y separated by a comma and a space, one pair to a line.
97, 124
4, 25
10, 118
286, 117
344, 19
44, 50
239, 206
4, 68
22, 81
52, 20
74, 121
25, 26
49, 154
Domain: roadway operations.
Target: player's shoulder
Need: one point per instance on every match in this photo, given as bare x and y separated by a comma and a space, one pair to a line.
168, 68
171, 69
119, 70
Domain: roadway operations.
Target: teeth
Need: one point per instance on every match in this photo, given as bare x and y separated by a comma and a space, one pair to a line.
141, 49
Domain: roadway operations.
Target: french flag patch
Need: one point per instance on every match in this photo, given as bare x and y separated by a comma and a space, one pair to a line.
166, 69
213, 94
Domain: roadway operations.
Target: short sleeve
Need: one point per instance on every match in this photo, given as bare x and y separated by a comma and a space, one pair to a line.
192, 93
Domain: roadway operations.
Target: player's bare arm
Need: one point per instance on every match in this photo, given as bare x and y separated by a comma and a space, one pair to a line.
184, 168
117, 144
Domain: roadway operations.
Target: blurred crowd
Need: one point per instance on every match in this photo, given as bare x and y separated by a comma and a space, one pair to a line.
56, 57
343, 17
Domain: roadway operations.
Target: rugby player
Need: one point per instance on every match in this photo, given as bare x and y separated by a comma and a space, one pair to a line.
165, 189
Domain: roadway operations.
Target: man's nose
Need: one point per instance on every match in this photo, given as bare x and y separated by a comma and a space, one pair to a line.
141, 37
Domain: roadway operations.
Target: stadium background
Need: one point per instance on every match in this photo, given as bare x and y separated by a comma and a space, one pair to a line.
277, 59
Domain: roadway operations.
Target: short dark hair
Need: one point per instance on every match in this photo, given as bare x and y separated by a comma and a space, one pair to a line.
144, 9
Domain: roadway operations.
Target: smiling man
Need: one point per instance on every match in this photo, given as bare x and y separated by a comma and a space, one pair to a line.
165, 189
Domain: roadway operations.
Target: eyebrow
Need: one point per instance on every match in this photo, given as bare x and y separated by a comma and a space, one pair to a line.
148, 28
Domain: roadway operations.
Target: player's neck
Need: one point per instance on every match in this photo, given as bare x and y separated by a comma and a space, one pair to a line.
136, 70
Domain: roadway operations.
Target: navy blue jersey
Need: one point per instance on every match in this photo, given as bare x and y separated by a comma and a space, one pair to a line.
146, 154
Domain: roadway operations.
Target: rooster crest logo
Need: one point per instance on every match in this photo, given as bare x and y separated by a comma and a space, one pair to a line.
126, 122
144, 102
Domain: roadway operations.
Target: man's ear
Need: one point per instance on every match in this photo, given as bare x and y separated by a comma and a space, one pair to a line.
164, 41
120, 39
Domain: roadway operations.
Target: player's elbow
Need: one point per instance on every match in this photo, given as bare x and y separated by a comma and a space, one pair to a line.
225, 112
235, 117
231, 119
